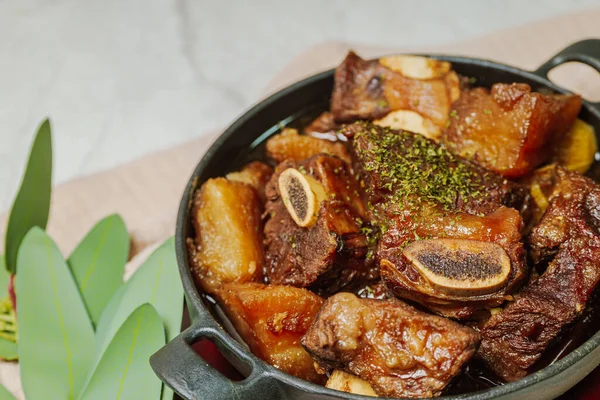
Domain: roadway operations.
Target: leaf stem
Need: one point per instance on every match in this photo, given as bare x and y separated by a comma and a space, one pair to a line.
11, 292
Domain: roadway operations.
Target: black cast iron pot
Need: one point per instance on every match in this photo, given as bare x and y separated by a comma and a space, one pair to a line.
193, 378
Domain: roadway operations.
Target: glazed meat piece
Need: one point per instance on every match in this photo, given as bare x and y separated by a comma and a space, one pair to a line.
460, 264
330, 251
289, 145
569, 237
510, 130
369, 90
228, 243
447, 242
272, 319
400, 351
404, 166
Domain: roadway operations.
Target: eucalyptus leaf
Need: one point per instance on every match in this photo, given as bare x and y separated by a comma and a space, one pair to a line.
5, 394
124, 371
32, 203
108, 313
156, 282
56, 338
98, 263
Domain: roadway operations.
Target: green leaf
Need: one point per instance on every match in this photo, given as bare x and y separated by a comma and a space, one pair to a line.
32, 203
156, 282
98, 263
108, 313
124, 371
8, 350
56, 338
5, 394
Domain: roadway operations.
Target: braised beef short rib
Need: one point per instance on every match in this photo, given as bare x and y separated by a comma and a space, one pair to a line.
569, 237
400, 351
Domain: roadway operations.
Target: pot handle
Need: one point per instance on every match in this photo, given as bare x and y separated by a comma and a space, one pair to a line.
585, 51
190, 376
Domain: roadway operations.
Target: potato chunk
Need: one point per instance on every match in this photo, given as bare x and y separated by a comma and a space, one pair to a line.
272, 319
577, 149
289, 145
345, 382
255, 174
510, 129
228, 245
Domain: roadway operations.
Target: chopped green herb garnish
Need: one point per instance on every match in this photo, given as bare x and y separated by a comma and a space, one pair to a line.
414, 170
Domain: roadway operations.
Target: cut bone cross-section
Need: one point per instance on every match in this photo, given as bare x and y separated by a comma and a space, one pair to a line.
459, 266
301, 196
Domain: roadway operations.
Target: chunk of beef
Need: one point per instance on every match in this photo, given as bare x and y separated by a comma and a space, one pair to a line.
400, 351
510, 130
329, 254
418, 191
272, 319
368, 90
568, 235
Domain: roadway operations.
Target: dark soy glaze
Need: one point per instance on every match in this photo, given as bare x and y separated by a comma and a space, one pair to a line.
475, 376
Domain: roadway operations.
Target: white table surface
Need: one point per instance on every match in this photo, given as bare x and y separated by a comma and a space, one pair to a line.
122, 78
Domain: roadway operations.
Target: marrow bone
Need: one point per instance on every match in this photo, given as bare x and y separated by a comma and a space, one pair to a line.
460, 266
302, 196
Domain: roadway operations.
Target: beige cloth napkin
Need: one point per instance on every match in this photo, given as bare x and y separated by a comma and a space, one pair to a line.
146, 192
